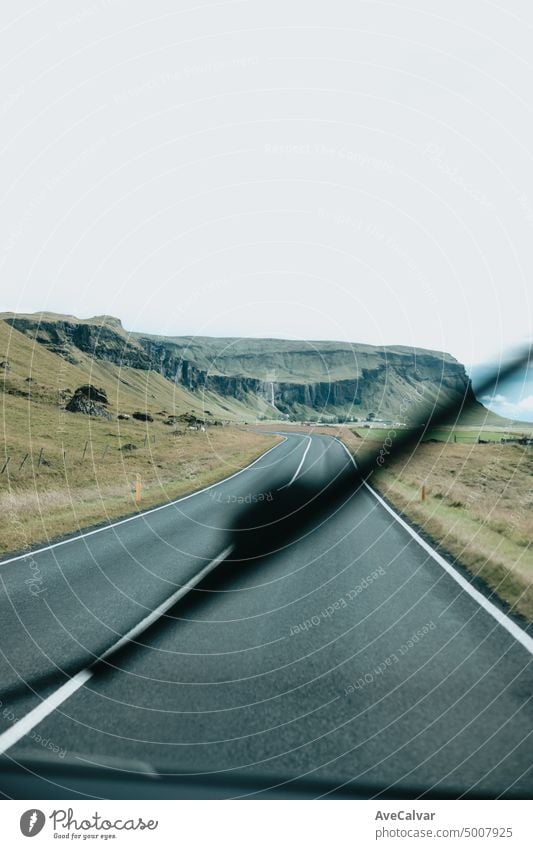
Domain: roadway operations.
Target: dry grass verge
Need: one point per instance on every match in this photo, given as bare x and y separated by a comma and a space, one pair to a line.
477, 507
42, 503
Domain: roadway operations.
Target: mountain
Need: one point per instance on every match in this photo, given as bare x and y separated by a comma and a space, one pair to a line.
248, 379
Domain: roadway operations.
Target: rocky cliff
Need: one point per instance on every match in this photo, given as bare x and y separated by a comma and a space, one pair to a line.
274, 378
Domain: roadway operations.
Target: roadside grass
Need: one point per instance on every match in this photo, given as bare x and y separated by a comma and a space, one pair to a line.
42, 503
478, 506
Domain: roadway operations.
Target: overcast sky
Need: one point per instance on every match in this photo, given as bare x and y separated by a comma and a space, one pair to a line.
344, 170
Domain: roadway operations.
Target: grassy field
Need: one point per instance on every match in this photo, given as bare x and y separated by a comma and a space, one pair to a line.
462, 434
66, 471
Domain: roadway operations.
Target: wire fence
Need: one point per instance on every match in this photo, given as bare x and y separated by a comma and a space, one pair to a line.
34, 461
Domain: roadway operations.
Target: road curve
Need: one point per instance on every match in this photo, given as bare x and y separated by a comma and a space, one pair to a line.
348, 656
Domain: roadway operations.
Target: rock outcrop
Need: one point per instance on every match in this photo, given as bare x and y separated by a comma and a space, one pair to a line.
90, 401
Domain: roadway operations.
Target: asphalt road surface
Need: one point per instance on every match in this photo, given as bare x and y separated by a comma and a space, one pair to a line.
350, 656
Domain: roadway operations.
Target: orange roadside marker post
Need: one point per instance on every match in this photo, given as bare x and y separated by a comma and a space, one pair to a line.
138, 489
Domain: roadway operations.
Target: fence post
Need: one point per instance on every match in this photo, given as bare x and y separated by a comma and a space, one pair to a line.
423, 492
41, 452
6, 464
84, 452
22, 464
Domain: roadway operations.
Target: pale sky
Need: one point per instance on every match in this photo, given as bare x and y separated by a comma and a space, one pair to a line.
346, 170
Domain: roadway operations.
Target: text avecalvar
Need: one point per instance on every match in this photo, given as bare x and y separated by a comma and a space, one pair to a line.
404, 815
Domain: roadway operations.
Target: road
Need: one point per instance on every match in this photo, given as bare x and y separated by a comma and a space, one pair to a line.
350, 656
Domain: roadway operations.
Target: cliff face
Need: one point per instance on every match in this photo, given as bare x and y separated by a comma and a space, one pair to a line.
305, 380
101, 337
274, 378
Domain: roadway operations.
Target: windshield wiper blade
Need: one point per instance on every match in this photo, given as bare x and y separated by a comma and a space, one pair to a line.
266, 527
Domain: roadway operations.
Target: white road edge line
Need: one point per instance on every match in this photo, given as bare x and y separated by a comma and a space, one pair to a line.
138, 515
47, 706
518, 633
302, 461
